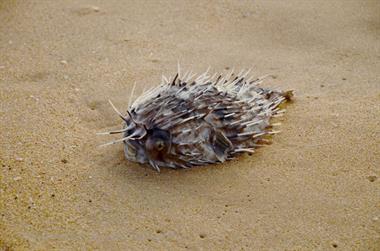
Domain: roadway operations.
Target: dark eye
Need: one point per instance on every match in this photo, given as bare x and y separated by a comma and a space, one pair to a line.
160, 144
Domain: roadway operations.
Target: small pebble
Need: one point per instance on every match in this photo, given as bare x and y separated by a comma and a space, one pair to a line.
19, 159
63, 62
375, 218
17, 178
65, 77
372, 178
95, 8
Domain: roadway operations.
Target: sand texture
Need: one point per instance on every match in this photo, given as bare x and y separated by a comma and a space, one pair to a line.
317, 187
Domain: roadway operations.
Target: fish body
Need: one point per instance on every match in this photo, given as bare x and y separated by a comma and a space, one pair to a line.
198, 120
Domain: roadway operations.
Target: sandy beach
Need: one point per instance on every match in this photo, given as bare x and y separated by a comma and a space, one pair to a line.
317, 187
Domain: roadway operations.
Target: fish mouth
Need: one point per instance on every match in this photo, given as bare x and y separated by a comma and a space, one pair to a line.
133, 151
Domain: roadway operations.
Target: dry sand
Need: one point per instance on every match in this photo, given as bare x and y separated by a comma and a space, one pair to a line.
315, 188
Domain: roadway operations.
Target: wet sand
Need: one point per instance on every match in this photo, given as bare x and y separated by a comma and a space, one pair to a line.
315, 188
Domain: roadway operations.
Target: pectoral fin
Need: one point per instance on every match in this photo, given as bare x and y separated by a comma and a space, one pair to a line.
221, 146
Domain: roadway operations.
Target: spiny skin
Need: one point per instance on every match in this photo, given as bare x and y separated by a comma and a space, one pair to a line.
196, 121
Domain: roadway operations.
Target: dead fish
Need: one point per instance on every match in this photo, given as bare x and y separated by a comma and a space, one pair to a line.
198, 119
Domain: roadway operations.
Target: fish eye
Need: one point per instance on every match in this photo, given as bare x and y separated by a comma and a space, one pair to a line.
160, 144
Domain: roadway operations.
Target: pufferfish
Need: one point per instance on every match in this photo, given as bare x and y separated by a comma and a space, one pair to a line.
194, 120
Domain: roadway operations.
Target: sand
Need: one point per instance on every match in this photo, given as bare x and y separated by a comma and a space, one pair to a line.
315, 188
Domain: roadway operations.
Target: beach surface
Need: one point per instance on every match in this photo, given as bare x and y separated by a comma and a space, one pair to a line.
317, 187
